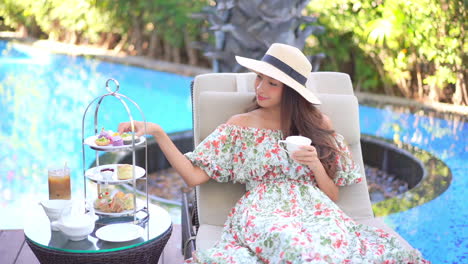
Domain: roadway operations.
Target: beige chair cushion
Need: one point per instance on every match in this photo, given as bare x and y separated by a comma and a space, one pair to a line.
343, 110
354, 199
215, 200
207, 236
231, 103
330, 83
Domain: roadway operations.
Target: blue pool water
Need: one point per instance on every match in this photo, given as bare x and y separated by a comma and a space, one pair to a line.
439, 227
43, 97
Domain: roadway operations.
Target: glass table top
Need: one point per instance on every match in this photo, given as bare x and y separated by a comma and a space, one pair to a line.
37, 228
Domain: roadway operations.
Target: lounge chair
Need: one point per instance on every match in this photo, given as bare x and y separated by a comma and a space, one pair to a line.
218, 96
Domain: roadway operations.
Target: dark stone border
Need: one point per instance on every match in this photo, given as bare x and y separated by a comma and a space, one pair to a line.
429, 178
392, 160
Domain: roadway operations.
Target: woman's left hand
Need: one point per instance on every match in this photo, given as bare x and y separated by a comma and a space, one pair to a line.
306, 155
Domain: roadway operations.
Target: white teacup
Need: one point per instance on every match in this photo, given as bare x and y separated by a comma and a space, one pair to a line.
55, 208
293, 143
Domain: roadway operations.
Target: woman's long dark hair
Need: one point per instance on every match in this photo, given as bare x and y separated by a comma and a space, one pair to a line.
300, 117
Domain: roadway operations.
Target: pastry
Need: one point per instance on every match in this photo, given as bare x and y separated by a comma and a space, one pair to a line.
102, 141
103, 202
121, 202
128, 137
118, 203
117, 141
105, 134
128, 201
124, 172
104, 138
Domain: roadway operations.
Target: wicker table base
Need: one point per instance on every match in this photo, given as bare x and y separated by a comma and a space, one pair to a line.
147, 253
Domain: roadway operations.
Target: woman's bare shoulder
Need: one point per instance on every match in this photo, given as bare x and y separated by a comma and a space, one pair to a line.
244, 119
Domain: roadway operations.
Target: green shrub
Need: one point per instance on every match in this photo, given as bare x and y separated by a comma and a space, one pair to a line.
411, 48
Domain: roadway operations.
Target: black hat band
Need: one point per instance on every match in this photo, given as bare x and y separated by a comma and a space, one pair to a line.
285, 68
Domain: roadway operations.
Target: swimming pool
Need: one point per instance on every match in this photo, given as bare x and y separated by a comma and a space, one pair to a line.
43, 96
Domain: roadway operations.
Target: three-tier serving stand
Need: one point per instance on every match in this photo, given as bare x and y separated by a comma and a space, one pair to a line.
140, 212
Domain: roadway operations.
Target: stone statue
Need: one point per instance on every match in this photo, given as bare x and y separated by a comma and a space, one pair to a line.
248, 28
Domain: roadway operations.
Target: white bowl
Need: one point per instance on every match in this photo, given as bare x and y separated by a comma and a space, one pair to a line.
76, 227
54, 208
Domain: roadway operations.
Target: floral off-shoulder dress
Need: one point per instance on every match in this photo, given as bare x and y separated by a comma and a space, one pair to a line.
284, 217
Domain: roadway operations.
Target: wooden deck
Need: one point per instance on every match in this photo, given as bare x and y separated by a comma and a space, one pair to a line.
15, 250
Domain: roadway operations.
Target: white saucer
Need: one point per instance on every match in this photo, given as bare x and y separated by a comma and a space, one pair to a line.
119, 232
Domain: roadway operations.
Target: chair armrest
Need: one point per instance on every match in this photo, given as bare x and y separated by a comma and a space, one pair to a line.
189, 230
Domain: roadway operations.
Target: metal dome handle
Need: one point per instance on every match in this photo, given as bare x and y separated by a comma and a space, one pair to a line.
116, 85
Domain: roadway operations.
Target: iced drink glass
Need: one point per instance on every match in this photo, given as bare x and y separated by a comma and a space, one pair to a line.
59, 183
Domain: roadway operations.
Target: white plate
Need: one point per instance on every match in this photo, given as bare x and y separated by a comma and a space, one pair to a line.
119, 232
90, 141
95, 175
125, 212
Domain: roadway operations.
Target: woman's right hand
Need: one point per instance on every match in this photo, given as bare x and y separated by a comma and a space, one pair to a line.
191, 174
139, 128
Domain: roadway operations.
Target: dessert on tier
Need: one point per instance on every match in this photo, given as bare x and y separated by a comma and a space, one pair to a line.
102, 141
104, 138
110, 138
107, 173
118, 203
128, 138
124, 171
117, 141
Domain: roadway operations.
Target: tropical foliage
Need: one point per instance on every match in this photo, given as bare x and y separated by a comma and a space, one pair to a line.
410, 48
157, 28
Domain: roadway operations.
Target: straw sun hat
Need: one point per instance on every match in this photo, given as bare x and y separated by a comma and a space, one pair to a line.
286, 64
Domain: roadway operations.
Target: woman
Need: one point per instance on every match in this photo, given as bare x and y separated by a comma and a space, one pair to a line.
287, 214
